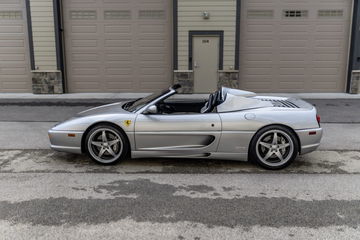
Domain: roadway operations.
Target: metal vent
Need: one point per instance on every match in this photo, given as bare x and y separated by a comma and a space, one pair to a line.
83, 14
151, 14
260, 13
295, 13
280, 103
117, 14
11, 15
331, 13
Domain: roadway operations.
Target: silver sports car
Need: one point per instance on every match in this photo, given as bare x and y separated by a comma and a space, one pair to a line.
230, 124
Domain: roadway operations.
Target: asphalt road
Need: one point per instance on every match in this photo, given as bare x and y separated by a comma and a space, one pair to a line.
331, 111
50, 195
176, 206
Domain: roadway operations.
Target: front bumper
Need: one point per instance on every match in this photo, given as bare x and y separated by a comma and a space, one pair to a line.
309, 139
65, 141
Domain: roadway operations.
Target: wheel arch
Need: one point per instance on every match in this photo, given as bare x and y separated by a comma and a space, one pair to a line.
103, 123
274, 125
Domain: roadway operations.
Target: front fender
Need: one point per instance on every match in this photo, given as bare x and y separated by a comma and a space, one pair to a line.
81, 124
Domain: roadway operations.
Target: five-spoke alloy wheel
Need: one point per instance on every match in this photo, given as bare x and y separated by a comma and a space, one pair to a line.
274, 147
105, 144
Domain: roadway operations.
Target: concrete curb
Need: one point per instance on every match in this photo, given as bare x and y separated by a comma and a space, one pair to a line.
101, 96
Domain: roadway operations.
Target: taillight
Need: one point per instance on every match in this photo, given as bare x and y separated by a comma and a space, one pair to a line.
318, 119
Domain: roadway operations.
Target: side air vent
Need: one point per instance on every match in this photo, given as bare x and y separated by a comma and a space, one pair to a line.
280, 103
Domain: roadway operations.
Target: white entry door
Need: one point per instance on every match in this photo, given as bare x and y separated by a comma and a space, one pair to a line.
205, 63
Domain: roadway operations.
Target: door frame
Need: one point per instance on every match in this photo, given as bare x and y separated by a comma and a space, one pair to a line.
219, 34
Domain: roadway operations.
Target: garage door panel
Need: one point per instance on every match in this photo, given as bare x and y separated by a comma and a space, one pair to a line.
84, 56
117, 29
325, 71
293, 43
84, 43
121, 86
292, 57
294, 28
118, 43
16, 57
325, 78
12, 42
300, 51
325, 86
118, 71
323, 57
14, 49
289, 71
151, 64
117, 1
263, 28
90, 71
128, 41
6, 28
154, 27
148, 87
263, 44
118, 57
10, 70
118, 36
248, 57
331, 28
294, 84
83, 29
258, 70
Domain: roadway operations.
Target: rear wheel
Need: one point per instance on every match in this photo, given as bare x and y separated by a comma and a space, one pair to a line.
105, 144
274, 147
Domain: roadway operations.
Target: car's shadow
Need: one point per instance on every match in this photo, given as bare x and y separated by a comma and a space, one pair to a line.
57, 162
83, 163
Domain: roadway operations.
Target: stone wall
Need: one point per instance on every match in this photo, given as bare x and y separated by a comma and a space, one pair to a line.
47, 82
355, 83
225, 79
186, 80
228, 79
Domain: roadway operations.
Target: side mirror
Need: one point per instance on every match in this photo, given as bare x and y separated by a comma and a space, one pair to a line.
151, 110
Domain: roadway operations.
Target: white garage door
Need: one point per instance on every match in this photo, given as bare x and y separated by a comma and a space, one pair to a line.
294, 46
15, 73
118, 45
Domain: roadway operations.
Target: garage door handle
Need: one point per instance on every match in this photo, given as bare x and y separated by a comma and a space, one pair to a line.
196, 65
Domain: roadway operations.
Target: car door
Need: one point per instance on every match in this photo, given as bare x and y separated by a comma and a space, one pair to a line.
177, 134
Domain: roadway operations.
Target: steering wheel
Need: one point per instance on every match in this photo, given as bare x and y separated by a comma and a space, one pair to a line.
164, 108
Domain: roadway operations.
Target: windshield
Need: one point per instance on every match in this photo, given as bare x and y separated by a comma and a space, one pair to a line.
139, 103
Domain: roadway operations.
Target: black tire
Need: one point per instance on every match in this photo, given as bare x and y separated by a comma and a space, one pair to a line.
274, 154
108, 152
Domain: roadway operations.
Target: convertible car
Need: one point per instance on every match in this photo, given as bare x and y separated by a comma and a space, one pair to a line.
231, 124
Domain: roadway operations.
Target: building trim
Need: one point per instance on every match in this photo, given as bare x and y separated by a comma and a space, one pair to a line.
354, 52
237, 35
59, 39
175, 34
207, 33
30, 34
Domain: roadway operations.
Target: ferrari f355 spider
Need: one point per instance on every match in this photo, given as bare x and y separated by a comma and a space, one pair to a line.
231, 124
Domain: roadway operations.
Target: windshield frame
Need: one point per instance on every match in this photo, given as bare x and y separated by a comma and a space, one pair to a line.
141, 102
153, 99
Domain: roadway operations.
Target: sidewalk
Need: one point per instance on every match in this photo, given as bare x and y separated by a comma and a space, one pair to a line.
97, 96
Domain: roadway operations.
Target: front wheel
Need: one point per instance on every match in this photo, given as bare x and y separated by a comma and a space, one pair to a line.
105, 144
274, 147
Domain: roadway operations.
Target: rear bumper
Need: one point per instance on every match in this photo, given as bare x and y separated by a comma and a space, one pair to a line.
65, 141
309, 139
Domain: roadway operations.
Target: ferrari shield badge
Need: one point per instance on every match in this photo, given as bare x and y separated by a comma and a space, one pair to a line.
127, 122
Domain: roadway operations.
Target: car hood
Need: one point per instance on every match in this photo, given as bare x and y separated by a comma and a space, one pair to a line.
105, 109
